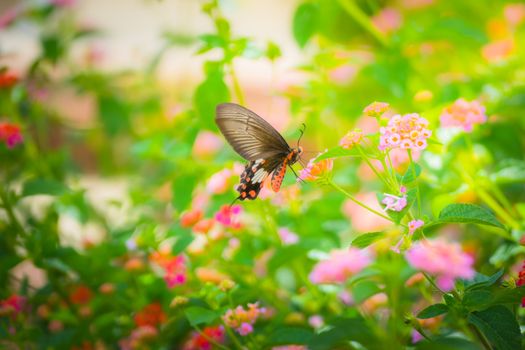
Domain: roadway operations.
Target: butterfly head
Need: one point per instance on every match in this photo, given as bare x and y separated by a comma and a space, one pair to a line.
295, 155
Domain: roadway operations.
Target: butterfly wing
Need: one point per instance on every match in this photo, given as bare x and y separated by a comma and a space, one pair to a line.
254, 175
250, 135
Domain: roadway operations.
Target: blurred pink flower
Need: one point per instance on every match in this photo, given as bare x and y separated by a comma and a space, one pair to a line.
416, 336
9, 16
174, 267
445, 260
242, 320
206, 144
514, 13
346, 298
376, 109
351, 139
290, 347
287, 237
388, 20
416, 4
414, 225
63, 3
394, 203
409, 131
10, 134
498, 50
13, 305
362, 219
228, 216
316, 321
218, 182
341, 265
464, 114
342, 74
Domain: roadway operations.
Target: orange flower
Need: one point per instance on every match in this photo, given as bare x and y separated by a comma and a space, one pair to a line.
190, 218
81, 295
314, 171
7, 80
150, 315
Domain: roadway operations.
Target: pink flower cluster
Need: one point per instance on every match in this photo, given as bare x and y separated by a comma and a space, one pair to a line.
409, 131
394, 203
314, 171
242, 320
351, 139
463, 114
376, 109
445, 260
414, 225
229, 216
10, 134
341, 265
287, 237
174, 268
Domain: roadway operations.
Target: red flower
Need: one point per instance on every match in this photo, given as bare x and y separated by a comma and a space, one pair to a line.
150, 315
521, 282
81, 295
202, 342
13, 305
7, 80
10, 134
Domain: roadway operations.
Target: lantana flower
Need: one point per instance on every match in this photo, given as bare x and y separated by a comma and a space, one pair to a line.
151, 315
376, 109
341, 265
394, 203
409, 131
242, 320
351, 139
414, 225
174, 268
463, 114
316, 170
229, 216
202, 341
444, 260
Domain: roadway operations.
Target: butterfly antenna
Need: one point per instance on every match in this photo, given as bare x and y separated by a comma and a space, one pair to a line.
302, 133
235, 200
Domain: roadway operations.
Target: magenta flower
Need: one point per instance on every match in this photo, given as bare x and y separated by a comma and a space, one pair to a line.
10, 134
242, 320
414, 225
394, 203
409, 131
444, 260
463, 114
341, 265
229, 216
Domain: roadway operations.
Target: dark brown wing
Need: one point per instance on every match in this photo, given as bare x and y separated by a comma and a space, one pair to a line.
250, 135
254, 175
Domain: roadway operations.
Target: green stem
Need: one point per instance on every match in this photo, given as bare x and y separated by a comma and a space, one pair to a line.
431, 281
353, 10
481, 337
353, 199
232, 336
236, 85
418, 194
6, 204
365, 158
502, 199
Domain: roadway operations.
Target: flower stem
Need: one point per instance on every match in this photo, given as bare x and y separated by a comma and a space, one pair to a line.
353, 199
418, 194
210, 339
365, 158
431, 281
353, 10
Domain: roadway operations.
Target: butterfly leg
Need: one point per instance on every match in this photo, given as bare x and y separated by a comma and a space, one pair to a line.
296, 176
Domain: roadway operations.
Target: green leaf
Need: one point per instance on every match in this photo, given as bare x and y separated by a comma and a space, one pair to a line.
408, 177
509, 296
366, 239
448, 343
305, 22
433, 311
114, 114
273, 51
43, 186
499, 325
337, 152
290, 335
482, 281
198, 315
344, 330
364, 290
477, 299
468, 213
211, 92
183, 241
182, 189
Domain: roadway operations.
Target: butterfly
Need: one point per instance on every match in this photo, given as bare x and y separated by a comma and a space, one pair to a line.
254, 139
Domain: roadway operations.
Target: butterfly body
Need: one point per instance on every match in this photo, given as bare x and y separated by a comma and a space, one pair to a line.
260, 144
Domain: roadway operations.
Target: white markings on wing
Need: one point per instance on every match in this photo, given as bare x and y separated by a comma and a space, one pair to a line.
259, 175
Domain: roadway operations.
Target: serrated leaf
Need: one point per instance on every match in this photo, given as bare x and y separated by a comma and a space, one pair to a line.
468, 213
366, 239
338, 152
409, 177
499, 325
198, 315
433, 311
43, 186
